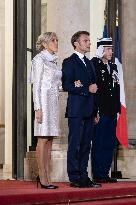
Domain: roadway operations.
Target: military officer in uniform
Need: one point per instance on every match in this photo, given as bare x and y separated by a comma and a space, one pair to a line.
108, 104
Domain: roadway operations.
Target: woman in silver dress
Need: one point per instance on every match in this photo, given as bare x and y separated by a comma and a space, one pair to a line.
46, 79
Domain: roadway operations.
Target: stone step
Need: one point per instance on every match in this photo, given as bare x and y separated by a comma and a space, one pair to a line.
58, 166
1, 173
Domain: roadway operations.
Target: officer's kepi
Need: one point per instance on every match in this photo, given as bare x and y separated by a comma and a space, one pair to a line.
106, 42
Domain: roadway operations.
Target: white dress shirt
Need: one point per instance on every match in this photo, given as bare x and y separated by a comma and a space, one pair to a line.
81, 56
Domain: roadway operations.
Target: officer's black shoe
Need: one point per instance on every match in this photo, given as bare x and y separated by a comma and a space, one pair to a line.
111, 180
105, 180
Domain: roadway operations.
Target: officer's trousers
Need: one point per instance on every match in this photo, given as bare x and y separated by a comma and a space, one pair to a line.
103, 144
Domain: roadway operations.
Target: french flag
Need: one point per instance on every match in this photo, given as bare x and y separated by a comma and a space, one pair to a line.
122, 130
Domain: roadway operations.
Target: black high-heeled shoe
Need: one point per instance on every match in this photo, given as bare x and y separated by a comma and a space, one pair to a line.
49, 186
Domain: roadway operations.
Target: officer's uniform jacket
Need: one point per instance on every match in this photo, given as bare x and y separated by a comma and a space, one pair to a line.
108, 94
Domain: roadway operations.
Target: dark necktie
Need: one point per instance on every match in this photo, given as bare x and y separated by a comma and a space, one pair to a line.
83, 60
108, 68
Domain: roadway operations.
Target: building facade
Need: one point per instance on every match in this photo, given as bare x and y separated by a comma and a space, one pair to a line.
21, 22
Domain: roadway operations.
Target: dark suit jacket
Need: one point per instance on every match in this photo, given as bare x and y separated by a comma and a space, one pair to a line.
80, 102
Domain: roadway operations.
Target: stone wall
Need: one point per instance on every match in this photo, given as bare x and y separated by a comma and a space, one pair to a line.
129, 61
2, 76
127, 163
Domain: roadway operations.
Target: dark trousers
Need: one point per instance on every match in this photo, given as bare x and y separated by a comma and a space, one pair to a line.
79, 145
103, 144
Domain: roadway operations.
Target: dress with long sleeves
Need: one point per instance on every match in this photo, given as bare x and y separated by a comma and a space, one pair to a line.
46, 79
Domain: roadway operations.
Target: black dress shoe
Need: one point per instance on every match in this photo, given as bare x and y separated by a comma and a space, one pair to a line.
78, 185
93, 184
74, 184
85, 183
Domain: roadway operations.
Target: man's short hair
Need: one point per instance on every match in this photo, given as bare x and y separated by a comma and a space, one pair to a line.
77, 35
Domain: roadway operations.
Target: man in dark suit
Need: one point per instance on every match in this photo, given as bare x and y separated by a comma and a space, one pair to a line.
78, 79
108, 102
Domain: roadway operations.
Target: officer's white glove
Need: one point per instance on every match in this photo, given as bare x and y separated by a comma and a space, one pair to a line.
100, 51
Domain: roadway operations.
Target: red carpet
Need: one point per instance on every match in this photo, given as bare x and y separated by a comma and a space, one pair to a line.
24, 192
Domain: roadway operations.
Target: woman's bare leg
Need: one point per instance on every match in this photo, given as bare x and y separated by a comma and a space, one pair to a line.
41, 152
43, 155
48, 159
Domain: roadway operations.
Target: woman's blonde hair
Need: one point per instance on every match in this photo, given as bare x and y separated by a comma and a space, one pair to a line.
44, 37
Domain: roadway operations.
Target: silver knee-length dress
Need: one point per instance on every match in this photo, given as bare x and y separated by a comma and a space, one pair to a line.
46, 79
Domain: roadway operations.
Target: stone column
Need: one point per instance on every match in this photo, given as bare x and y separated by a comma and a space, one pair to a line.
129, 61
2, 86
96, 23
127, 158
65, 18
8, 53
29, 54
